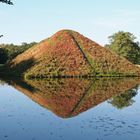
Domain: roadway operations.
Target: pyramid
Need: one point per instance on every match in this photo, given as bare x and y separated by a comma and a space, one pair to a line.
69, 54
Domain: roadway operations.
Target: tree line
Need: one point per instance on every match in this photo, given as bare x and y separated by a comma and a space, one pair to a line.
9, 51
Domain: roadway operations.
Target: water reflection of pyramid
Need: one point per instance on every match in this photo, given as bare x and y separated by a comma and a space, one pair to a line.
70, 97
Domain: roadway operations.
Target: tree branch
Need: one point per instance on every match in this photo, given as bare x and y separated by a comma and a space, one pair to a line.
7, 2
1, 36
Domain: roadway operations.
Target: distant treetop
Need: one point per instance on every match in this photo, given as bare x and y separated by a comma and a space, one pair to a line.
7, 2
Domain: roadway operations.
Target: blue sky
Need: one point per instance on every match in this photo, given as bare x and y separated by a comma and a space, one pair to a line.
34, 20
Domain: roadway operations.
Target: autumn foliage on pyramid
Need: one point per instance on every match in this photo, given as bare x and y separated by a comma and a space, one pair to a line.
68, 53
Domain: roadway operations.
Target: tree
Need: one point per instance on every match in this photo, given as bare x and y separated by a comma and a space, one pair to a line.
9, 51
123, 43
3, 56
7, 2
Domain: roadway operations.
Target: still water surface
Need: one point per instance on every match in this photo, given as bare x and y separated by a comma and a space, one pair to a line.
70, 109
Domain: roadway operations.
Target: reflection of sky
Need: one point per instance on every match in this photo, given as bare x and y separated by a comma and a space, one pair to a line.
21, 118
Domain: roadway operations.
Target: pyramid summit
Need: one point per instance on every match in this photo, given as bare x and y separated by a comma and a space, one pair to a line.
68, 53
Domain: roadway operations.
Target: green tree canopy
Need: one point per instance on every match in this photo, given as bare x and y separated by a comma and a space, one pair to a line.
123, 43
7, 2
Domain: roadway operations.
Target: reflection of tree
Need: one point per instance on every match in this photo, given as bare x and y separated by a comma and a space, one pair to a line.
2, 82
125, 99
70, 97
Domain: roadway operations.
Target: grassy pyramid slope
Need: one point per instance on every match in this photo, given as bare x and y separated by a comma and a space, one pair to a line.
68, 53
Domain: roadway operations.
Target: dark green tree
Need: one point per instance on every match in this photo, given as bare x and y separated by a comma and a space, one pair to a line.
3, 56
123, 43
7, 2
9, 51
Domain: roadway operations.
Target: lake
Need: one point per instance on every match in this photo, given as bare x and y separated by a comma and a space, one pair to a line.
70, 109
